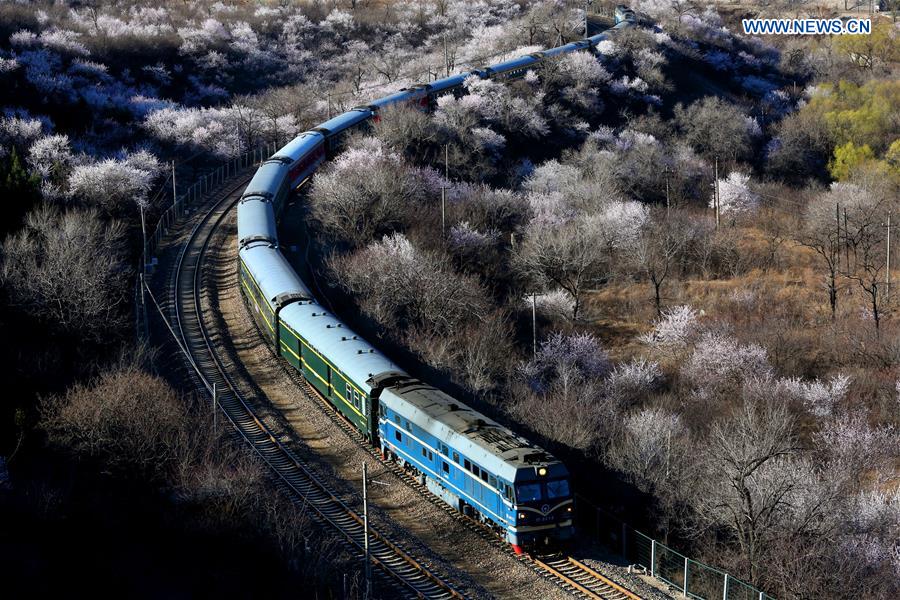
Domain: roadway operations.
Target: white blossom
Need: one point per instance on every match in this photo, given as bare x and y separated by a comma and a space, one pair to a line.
48, 152
735, 197
678, 327
719, 360
567, 359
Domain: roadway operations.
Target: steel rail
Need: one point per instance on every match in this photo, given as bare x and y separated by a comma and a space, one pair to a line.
410, 577
580, 578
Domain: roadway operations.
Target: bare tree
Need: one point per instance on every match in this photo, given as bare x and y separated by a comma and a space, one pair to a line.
68, 270
659, 248
751, 470
364, 193
568, 256
821, 232
715, 128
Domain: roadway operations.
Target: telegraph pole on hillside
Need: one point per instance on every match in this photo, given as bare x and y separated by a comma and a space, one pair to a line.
534, 323
174, 189
887, 267
366, 532
716, 193
586, 4
667, 192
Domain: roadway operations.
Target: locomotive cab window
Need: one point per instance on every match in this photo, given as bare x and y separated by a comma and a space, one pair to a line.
528, 492
558, 488
507, 492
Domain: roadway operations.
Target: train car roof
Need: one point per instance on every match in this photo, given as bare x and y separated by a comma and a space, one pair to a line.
256, 220
345, 120
267, 179
448, 82
480, 439
273, 273
300, 145
342, 346
397, 97
516, 63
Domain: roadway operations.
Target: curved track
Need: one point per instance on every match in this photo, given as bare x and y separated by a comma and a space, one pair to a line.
405, 577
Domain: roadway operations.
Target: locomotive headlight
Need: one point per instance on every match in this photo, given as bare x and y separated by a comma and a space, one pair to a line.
542, 471
568, 509
522, 516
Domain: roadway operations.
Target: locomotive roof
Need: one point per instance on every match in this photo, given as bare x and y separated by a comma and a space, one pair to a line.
482, 440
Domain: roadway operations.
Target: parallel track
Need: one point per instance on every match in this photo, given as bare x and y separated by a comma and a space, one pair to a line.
406, 577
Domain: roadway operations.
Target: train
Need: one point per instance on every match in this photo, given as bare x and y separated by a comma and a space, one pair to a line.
468, 460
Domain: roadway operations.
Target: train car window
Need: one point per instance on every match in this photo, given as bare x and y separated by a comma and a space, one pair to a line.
467, 464
484, 475
558, 488
445, 467
456, 458
430, 455
424, 452
349, 391
492, 481
399, 436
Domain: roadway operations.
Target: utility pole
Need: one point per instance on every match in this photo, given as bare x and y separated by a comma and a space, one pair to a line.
174, 189
534, 323
444, 190
716, 193
667, 192
446, 56
443, 211
846, 243
837, 214
887, 267
447, 162
586, 4
144, 234
366, 532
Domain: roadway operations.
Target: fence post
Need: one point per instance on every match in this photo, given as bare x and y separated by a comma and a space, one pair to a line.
652, 558
762, 596
685, 576
725, 588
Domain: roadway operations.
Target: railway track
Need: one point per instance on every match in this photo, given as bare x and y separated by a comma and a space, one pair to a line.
398, 574
580, 579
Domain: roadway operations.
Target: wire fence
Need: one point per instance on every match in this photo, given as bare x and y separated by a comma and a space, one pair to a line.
693, 578
181, 206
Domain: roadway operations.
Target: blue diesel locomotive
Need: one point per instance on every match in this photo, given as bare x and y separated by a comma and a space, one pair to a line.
471, 462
